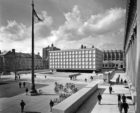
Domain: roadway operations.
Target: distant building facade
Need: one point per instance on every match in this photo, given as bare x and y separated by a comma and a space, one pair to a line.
14, 61
76, 59
45, 55
132, 50
113, 59
7, 61
1, 63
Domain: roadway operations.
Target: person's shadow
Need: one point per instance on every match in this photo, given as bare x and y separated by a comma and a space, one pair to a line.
31, 112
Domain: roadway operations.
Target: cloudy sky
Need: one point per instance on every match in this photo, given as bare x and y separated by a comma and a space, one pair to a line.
66, 23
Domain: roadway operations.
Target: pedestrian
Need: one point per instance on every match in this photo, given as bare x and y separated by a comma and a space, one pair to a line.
119, 98
19, 84
70, 77
99, 98
19, 76
24, 84
125, 81
51, 105
125, 107
121, 81
120, 106
110, 89
91, 77
124, 98
22, 104
85, 80
26, 91
15, 77
45, 76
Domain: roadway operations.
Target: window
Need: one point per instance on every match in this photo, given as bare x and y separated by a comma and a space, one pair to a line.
89, 51
86, 59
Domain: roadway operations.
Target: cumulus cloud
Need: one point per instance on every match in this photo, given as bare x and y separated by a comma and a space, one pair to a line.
102, 30
17, 31
77, 28
14, 31
18, 35
103, 23
42, 29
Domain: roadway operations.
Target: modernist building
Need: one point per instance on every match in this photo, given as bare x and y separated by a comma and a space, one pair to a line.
76, 59
131, 48
14, 61
45, 55
113, 59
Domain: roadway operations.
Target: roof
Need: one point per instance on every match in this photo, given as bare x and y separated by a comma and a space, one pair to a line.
4, 53
19, 54
27, 55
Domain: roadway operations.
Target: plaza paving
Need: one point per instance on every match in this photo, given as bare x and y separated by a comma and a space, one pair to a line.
40, 103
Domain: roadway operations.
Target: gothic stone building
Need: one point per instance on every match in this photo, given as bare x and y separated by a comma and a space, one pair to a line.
113, 59
45, 55
12, 61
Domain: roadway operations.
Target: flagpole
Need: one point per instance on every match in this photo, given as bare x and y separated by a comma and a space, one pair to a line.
33, 89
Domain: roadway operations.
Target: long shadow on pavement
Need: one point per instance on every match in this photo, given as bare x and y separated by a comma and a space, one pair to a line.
90, 103
108, 104
46, 94
31, 112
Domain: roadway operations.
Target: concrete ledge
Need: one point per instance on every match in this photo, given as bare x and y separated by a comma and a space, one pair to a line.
72, 103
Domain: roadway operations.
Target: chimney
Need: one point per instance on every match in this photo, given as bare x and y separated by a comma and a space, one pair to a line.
13, 51
92, 46
52, 45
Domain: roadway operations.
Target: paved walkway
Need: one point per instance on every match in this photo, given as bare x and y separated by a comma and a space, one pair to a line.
40, 104
35, 104
109, 101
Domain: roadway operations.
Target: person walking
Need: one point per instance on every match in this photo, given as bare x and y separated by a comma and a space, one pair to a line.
19, 76
99, 98
121, 81
120, 106
24, 84
124, 98
22, 104
119, 98
125, 107
19, 84
110, 89
26, 91
51, 105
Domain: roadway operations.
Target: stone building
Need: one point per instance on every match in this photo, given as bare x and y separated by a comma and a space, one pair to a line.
1, 63
45, 55
14, 61
113, 59
132, 50
7, 61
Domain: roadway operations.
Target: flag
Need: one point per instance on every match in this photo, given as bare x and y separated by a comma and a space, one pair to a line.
36, 16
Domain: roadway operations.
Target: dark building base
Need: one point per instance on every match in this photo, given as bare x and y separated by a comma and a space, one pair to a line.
79, 71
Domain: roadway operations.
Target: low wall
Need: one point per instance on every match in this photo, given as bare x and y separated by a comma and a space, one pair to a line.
72, 103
